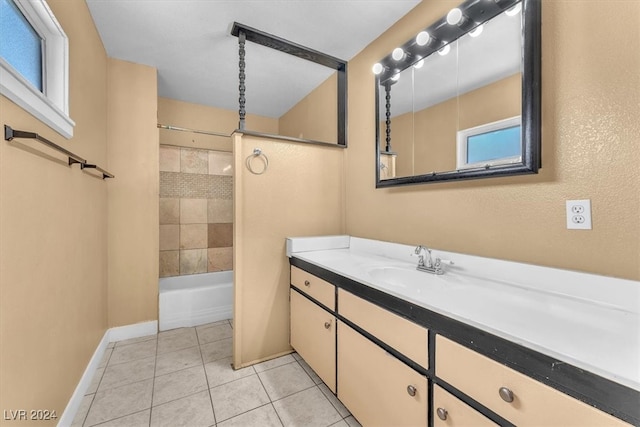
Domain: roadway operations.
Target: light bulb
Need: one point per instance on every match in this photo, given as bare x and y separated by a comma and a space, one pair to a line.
418, 64
444, 50
476, 31
422, 38
397, 54
377, 68
454, 17
396, 77
514, 10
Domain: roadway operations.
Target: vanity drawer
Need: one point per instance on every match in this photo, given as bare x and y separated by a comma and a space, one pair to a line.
533, 403
407, 337
316, 288
450, 411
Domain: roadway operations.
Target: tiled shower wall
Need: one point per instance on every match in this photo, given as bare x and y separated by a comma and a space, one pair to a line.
196, 211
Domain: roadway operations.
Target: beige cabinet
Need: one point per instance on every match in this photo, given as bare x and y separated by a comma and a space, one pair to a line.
514, 396
313, 337
449, 411
402, 335
377, 388
318, 289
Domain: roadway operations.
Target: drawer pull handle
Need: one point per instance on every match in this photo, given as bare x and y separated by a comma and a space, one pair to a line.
327, 325
442, 413
411, 390
506, 394
307, 283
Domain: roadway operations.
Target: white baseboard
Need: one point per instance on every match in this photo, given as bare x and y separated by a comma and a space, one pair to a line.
136, 330
188, 319
114, 334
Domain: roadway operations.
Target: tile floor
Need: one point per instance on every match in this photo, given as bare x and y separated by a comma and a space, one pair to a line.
183, 377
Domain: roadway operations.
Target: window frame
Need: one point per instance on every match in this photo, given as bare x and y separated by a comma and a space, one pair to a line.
462, 141
51, 106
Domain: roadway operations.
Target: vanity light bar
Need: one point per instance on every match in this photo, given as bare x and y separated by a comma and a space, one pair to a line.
459, 21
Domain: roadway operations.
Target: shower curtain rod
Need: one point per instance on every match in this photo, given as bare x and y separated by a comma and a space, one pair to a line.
205, 132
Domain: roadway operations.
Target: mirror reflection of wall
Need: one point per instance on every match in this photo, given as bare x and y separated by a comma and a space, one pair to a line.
313, 113
311, 108
459, 108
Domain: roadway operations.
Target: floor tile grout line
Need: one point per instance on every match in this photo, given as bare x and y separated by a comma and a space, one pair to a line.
147, 338
153, 383
206, 378
124, 384
84, 419
268, 396
277, 414
298, 392
135, 358
117, 418
278, 366
247, 411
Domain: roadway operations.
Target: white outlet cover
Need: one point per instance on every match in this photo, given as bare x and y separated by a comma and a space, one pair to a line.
581, 221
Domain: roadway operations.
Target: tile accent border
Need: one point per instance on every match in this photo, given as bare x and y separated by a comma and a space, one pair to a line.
118, 333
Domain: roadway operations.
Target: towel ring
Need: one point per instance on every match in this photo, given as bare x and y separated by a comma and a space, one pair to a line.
257, 152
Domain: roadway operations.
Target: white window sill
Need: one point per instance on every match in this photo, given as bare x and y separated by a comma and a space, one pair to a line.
18, 90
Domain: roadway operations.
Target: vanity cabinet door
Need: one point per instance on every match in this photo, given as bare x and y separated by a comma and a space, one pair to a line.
449, 411
377, 388
313, 336
514, 396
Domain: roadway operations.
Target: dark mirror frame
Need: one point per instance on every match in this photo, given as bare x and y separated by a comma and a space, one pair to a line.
246, 33
531, 89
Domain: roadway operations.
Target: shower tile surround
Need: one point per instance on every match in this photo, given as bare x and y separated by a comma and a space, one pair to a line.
196, 211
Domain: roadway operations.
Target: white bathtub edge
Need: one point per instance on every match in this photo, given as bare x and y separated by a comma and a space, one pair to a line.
110, 335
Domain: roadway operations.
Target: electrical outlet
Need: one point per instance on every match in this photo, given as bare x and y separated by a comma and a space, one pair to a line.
579, 214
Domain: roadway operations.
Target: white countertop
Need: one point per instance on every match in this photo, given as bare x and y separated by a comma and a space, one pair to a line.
589, 321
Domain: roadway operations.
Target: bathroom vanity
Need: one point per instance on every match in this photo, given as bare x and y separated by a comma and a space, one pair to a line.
488, 342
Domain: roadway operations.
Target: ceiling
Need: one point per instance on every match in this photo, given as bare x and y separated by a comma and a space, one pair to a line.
189, 43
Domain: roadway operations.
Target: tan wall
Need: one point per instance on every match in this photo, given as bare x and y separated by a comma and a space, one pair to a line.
53, 237
315, 117
590, 107
201, 117
300, 194
402, 142
133, 195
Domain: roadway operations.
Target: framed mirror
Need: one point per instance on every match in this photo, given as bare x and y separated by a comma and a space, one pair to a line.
461, 100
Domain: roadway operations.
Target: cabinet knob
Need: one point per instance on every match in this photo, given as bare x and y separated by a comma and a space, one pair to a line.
506, 394
411, 390
327, 325
442, 413
307, 283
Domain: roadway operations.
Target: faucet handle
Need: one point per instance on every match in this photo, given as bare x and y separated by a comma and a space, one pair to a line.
420, 252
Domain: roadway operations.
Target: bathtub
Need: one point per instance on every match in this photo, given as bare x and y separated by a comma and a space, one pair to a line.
196, 299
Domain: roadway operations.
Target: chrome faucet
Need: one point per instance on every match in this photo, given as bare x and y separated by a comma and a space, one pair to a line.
427, 263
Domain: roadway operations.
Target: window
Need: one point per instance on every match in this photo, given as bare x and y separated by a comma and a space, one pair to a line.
34, 56
491, 144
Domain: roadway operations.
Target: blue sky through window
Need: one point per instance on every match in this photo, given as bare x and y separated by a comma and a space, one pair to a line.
494, 145
20, 44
